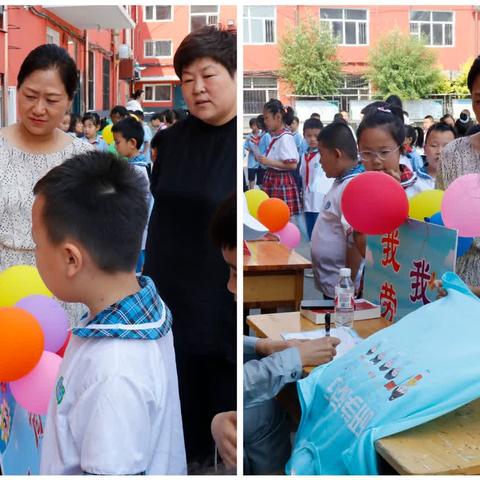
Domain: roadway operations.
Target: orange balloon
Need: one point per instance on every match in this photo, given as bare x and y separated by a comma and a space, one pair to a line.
274, 214
21, 343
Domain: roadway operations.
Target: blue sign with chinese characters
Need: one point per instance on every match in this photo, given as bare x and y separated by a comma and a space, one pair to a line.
400, 267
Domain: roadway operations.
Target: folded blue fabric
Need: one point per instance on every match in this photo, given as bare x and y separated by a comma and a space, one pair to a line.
418, 369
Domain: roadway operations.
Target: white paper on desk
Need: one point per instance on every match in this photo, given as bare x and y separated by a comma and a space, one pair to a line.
348, 338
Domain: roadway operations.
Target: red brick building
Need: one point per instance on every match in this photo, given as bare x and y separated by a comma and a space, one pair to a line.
97, 37
452, 31
159, 31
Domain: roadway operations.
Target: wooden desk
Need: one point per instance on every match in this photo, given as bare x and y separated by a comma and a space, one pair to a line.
272, 325
273, 276
448, 445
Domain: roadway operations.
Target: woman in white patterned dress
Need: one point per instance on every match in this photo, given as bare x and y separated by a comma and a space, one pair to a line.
458, 158
34, 145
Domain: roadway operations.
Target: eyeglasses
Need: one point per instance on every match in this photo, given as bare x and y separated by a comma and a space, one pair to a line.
368, 156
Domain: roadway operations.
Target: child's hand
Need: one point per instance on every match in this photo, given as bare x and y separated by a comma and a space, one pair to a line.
263, 160
318, 351
267, 346
224, 432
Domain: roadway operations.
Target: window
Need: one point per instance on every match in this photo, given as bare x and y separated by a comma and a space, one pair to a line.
158, 93
106, 84
53, 36
201, 15
91, 81
2, 19
259, 24
256, 92
158, 13
348, 25
158, 48
436, 28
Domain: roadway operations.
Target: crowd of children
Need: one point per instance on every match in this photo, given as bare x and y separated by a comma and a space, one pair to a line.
326, 158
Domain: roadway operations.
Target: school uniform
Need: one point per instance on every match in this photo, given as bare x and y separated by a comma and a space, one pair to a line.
279, 183
116, 408
263, 143
330, 236
99, 143
250, 145
315, 184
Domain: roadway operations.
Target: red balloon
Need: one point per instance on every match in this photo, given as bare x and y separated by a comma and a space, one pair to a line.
61, 352
274, 214
374, 203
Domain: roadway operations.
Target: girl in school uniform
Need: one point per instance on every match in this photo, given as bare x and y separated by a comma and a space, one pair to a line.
281, 157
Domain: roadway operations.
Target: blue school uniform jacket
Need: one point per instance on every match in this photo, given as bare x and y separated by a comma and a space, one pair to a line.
420, 368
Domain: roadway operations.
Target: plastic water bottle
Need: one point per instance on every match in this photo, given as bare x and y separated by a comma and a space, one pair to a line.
344, 300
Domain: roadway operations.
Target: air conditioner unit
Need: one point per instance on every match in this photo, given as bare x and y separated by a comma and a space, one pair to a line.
124, 51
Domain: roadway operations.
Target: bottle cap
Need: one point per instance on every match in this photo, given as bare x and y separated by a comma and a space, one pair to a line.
345, 272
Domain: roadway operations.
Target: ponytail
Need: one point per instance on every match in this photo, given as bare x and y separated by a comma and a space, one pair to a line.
275, 106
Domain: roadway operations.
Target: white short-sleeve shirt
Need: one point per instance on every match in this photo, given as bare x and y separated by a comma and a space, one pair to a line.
283, 148
318, 182
116, 410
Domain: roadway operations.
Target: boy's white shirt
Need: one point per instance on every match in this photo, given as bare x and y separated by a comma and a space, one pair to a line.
318, 183
116, 410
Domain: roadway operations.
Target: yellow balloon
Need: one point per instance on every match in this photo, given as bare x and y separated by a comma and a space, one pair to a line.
254, 198
107, 134
18, 282
425, 204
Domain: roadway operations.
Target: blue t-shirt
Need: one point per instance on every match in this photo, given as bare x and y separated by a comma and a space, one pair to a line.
405, 375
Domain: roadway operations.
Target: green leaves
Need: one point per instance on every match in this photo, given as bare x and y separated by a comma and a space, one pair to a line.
402, 65
308, 58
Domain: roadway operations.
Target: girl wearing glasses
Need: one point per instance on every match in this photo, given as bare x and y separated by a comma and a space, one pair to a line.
381, 136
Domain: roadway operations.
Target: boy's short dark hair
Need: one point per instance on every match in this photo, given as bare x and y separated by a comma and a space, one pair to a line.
139, 114
219, 45
119, 110
100, 201
440, 127
338, 135
252, 122
130, 129
156, 116
93, 117
223, 228
312, 123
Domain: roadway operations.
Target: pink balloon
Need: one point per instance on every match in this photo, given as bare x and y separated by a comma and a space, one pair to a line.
34, 390
289, 235
461, 204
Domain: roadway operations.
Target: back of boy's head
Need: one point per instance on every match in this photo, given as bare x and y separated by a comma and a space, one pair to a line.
207, 42
130, 129
119, 110
93, 117
223, 228
139, 114
312, 123
383, 115
99, 201
337, 135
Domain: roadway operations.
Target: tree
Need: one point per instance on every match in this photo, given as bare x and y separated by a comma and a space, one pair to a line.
402, 65
308, 58
459, 85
